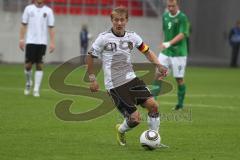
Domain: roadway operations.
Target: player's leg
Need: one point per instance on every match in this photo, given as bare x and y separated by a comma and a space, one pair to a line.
41, 49
28, 75
38, 79
153, 118
126, 107
143, 97
181, 93
179, 65
234, 58
157, 84
83, 55
28, 68
129, 123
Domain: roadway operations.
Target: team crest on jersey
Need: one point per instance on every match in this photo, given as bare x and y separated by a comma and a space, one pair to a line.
44, 15
130, 45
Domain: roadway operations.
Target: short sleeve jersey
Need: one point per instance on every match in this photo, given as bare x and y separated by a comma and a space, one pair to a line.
115, 53
172, 26
37, 19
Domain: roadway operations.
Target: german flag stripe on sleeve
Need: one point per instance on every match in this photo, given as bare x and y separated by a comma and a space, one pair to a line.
143, 48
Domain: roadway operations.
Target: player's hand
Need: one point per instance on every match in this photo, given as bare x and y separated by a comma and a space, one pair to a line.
51, 47
21, 44
165, 45
161, 72
94, 87
162, 46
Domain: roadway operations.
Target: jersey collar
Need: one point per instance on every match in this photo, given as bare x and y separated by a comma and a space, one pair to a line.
116, 34
175, 14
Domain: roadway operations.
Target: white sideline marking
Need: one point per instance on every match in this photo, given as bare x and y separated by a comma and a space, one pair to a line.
206, 95
166, 95
201, 105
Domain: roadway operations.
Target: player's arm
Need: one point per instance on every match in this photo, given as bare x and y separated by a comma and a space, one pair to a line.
177, 38
173, 41
94, 87
51, 31
151, 56
23, 30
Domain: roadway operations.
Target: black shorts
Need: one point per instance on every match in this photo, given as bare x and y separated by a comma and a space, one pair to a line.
35, 53
128, 95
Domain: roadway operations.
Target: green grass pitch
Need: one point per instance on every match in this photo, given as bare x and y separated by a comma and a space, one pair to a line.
209, 128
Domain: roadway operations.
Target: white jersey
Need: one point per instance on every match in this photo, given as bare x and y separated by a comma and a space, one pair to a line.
115, 53
38, 19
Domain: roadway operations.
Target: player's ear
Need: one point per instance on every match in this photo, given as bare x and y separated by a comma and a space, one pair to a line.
111, 18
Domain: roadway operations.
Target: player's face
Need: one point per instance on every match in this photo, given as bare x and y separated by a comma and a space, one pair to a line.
172, 7
119, 22
39, 1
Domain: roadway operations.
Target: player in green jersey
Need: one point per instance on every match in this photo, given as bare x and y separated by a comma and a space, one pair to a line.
174, 48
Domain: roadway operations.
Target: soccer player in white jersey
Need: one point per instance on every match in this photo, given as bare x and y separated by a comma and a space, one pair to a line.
37, 21
114, 48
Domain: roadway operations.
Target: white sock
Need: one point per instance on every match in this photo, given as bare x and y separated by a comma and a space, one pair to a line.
38, 79
124, 127
28, 75
153, 123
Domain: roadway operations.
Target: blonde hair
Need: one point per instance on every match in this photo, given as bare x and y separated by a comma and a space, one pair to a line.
119, 10
177, 1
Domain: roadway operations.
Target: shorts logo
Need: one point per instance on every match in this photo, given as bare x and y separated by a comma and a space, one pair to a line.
180, 68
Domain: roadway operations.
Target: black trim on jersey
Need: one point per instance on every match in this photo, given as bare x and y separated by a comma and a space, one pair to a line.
140, 46
118, 35
24, 24
93, 56
90, 53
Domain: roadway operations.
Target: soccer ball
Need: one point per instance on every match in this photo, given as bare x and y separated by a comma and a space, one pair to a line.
150, 139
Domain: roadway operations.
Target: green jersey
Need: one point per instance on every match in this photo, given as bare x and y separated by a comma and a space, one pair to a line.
172, 26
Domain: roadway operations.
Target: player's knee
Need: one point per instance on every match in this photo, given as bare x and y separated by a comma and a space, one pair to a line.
28, 66
39, 67
133, 123
134, 120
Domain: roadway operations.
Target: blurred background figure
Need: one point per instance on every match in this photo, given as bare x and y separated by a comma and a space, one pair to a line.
84, 40
234, 40
174, 49
37, 21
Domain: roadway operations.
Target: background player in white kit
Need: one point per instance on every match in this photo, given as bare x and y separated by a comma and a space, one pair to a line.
37, 21
114, 48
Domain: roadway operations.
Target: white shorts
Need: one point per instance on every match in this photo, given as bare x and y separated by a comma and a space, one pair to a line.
175, 64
